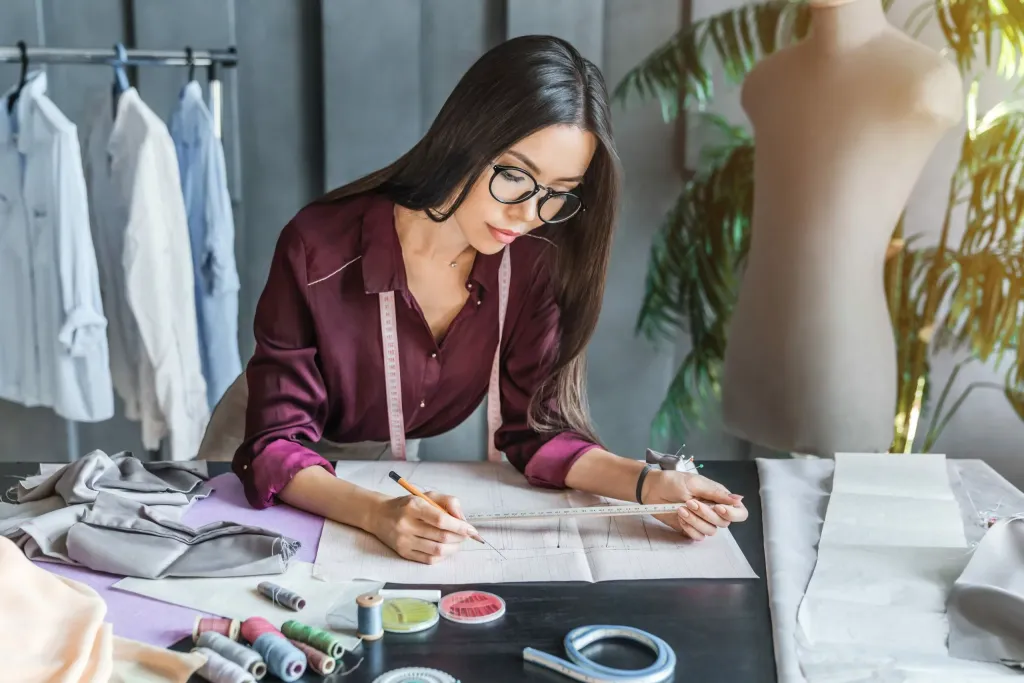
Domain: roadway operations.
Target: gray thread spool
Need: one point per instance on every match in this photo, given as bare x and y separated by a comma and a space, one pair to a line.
281, 596
243, 656
219, 669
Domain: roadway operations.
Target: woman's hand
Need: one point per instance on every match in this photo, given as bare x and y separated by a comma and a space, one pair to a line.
419, 531
709, 505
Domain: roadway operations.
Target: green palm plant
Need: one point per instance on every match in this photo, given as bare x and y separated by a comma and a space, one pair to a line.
967, 297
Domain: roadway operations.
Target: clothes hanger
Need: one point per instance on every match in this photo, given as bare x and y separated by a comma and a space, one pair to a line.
121, 83
191, 60
13, 97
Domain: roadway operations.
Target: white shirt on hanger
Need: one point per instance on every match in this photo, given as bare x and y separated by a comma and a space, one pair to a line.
145, 260
53, 341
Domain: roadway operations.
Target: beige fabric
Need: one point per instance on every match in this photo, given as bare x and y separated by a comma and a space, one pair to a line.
226, 431
52, 631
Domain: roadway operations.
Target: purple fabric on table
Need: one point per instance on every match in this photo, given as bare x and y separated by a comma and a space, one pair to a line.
163, 624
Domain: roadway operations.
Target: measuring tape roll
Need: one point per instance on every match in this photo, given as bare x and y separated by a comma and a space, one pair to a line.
582, 668
415, 674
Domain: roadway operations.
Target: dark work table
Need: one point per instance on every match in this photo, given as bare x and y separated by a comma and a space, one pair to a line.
720, 629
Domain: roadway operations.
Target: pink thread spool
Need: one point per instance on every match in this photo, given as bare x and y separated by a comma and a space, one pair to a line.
226, 627
320, 662
254, 627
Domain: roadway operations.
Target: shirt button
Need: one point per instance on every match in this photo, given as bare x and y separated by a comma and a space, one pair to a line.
433, 355
423, 404
469, 285
478, 302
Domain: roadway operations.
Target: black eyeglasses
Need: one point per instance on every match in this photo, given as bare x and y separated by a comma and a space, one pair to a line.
512, 185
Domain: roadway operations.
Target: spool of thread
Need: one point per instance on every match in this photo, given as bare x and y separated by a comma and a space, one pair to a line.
220, 669
243, 656
369, 623
320, 662
254, 627
283, 659
322, 640
281, 596
229, 628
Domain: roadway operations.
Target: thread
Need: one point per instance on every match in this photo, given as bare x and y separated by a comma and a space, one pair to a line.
283, 659
369, 622
281, 596
243, 656
226, 627
218, 669
320, 662
322, 640
254, 627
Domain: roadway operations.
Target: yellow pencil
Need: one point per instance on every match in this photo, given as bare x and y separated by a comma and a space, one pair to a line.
419, 494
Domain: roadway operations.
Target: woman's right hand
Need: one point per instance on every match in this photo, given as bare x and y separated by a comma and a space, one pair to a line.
419, 531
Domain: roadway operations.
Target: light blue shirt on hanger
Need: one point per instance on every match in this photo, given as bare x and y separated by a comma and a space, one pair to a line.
211, 228
53, 339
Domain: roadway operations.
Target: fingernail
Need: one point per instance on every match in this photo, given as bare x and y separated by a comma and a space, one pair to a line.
720, 509
735, 497
683, 512
692, 504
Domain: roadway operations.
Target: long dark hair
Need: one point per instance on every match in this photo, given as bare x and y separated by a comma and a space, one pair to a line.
515, 89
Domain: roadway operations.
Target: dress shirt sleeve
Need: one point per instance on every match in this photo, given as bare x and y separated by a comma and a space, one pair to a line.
89, 396
287, 397
218, 260
532, 348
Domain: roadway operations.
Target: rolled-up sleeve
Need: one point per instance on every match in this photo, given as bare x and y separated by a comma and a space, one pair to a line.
287, 399
530, 354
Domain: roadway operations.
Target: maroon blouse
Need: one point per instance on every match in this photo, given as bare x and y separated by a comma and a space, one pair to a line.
318, 368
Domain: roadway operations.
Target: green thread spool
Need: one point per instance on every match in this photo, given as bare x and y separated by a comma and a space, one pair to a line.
314, 637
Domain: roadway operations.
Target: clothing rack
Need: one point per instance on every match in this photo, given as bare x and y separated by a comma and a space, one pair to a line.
112, 57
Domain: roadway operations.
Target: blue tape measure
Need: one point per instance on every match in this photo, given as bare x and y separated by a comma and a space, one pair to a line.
585, 669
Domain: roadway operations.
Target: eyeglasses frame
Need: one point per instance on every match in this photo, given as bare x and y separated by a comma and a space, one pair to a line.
537, 187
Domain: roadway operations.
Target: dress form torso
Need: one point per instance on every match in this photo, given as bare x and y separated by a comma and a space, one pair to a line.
844, 123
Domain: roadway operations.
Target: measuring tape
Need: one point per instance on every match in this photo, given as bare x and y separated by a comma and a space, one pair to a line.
393, 375
594, 511
582, 668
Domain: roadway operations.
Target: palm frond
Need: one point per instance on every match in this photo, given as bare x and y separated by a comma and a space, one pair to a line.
678, 74
985, 296
1014, 390
692, 280
989, 178
993, 28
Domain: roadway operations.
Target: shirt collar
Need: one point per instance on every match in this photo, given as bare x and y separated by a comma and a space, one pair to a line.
35, 87
383, 266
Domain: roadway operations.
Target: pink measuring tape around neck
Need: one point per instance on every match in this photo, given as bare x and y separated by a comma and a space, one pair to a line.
393, 375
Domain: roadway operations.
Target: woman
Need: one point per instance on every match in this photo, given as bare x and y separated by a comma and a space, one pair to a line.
512, 193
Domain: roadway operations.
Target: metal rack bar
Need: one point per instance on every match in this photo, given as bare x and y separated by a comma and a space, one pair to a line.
108, 57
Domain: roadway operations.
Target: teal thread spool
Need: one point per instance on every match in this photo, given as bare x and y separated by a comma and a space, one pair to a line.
314, 637
369, 622
283, 659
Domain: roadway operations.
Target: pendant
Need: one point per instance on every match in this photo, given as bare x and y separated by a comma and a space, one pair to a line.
453, 264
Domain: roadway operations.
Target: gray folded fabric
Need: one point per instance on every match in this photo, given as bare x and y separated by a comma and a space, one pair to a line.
123, 537
122, 516
986, 605
159, 483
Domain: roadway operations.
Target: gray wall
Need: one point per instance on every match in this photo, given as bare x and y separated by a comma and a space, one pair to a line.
326, 91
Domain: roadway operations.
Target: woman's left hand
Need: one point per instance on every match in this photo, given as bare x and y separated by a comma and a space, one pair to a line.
709, 505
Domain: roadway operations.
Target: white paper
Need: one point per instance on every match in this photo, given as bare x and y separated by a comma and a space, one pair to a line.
237, 598
892, 545
560, 549
794, 496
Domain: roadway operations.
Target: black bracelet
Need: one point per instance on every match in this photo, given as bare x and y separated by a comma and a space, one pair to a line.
640, 482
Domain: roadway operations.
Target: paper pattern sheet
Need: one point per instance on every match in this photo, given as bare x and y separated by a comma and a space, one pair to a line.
891, 547
237, 598
565, 549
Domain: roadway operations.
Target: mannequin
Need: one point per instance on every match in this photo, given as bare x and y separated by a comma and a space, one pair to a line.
844, 122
